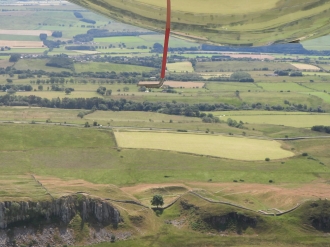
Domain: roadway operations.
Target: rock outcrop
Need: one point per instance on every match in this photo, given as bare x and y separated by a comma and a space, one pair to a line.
232, 221
60, 210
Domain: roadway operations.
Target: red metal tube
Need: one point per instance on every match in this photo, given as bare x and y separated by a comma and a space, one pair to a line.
167, 38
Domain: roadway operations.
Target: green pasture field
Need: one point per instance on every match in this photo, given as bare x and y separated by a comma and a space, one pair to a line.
60, 94
21, 187
319, 86
90, 154
128, 40
57, 20
92, 87
322, 95
230, 86
252, 113
319, 44
180, 67
316, 74
260, 76
278, 98
117, 50
326, 66
147, 40
219, 146
37, 64
125, 119
108, 67
296, 120
111, 117
73, 137
19, 37
283, 86
29, 114
184, 97
170, 235
241, 65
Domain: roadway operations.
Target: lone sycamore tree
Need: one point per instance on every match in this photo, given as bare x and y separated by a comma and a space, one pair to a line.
157, 201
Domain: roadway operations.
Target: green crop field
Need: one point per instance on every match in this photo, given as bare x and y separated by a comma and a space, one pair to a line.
220, 146
286, 86
37, 64
180, 67
241, 65
108, 67
275, 98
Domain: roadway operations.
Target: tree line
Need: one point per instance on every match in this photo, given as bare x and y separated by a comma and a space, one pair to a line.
171, 108
321, 128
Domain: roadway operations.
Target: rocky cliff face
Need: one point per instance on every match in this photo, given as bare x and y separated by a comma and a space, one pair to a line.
62, 209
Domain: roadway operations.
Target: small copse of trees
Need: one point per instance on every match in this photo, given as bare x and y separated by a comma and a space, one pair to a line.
321, 128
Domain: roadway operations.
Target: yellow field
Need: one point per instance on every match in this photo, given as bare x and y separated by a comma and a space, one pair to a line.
211, 6
180, 67
302, 66
219, 146
298, 121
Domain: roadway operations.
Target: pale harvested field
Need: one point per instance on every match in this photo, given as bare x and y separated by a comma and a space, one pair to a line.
5, 63
264, 196
251, 195
176, 84
302, 66
260, 57
180, 67
26, 32
296, 120
59, 187
21, 44
218, 146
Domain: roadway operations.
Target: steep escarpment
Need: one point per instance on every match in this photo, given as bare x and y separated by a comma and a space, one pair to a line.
62, 210
69, 220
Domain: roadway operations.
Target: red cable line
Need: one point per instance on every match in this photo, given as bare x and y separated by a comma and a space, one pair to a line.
167, 38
